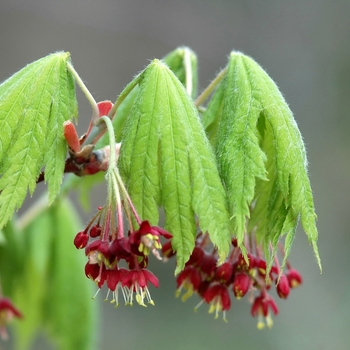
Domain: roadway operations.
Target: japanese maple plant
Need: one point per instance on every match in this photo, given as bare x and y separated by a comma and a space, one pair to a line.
226, 167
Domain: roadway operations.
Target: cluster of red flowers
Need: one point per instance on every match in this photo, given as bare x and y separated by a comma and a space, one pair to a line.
214, 283
105, 247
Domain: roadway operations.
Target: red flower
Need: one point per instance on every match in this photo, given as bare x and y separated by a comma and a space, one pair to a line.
136, 281
98, 253
282, 287
241, 285
96, 273
81, 240
146, 239
196, 257
95, 231
218, 297
243, 264
188, 279
7, 312
120, 249
260, 308
294, 278
167, 250
114, 282
207, 264
223, 273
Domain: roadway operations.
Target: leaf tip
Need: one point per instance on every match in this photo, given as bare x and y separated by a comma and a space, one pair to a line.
159, 64
65, 55
236, 53
318, 259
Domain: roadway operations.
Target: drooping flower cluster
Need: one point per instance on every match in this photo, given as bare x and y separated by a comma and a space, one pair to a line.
106, 246
216, 285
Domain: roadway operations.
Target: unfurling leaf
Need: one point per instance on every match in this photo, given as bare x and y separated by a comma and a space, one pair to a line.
167, 161
261, 156
34, 103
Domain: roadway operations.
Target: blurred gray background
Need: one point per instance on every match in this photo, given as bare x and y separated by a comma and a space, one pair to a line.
304, 46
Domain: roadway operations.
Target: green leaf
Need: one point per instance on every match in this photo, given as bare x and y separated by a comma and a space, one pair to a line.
240, 158
167, 161
43, 273
261, 156
17, 277
29, 301
177, 61
11, 258
23, 270
34, 103
212, 114
70, 312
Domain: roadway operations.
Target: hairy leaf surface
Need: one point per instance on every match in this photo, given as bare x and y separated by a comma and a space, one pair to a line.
34, 103
261, 156
167, 161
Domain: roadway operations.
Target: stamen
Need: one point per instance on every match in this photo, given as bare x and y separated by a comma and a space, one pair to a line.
125, 292
98, 290
198, 305
155, 252
269, 321
224, 316
148, 295
261, 324
106, 298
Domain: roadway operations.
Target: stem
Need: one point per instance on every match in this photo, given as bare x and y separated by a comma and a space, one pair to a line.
84, 89
111, 136
126, 201
126, 194
128, 215
119, 206
210, 88
283, 254
123, 95
112, 183
277, 266
188, 70
107, 225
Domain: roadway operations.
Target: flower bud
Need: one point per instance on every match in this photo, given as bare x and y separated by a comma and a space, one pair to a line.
95, 231
71, 136
81, 240
283, 287
223, 272
294, 278
241, 285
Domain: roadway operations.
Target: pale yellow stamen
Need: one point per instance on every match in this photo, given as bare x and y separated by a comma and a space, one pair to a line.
188, 293
269, 321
